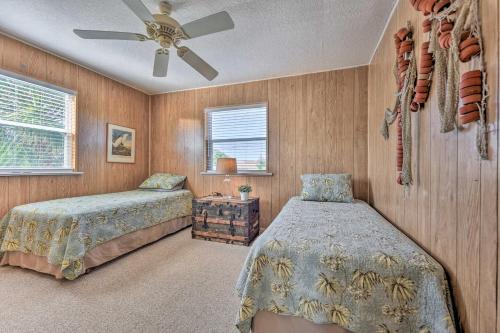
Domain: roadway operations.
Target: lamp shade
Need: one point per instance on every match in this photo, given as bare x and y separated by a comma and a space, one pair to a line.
226, 166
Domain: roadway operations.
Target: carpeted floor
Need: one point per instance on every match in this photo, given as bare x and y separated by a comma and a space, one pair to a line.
174, 285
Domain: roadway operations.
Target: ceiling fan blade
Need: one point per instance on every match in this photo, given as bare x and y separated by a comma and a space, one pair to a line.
197, 63
161, 63
98, 34
208, 25
140, 10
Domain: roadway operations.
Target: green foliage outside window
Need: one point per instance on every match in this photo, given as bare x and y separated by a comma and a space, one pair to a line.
33, 125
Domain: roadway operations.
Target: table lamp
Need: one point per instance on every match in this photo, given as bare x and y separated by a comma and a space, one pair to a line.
227, 166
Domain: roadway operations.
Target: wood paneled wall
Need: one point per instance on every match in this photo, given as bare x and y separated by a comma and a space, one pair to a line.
323, 122
317, 123
100, 100
451, 210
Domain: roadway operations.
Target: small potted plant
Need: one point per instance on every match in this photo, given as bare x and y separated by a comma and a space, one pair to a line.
244, 191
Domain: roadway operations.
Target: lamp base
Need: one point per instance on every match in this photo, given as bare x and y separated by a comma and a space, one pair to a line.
228, 193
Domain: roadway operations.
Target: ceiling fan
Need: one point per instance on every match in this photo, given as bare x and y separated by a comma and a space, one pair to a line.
167, 32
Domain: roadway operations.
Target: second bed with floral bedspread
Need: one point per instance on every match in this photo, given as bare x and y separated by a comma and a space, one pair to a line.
64, 230
344, 264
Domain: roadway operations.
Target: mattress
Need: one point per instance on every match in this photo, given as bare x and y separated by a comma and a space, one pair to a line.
343, 264
64, 231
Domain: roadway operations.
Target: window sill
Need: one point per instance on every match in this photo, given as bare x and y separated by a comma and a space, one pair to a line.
239, 174
20, 173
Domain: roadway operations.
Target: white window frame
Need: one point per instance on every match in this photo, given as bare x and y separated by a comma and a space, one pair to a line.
69, 130
206, 141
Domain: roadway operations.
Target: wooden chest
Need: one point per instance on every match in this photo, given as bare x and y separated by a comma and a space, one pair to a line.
225, 220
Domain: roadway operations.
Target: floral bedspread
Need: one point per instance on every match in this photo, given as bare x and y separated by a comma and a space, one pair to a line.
343, 263
64, 230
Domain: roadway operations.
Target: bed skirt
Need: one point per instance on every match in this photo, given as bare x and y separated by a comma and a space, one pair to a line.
102, 253
265, 321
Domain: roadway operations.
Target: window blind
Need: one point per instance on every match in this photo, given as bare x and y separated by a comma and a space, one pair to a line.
239, 132
36, 125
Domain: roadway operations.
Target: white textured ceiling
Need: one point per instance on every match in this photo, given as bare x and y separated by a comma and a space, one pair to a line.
272, 38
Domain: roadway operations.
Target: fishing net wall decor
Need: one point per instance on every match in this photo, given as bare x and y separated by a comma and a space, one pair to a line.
455, 37
452, 31
405, 71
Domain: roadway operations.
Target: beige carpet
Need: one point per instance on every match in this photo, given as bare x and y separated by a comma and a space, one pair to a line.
174, 285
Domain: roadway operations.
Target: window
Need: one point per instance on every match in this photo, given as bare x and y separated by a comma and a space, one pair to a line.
36, 126
239, 132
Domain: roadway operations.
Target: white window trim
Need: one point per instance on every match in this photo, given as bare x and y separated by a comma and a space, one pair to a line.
37, 82
16, 172
7, 172
205, 139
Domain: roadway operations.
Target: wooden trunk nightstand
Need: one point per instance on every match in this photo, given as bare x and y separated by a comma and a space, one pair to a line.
231, 221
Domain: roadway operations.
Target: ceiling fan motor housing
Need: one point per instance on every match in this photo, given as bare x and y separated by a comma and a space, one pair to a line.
165, 30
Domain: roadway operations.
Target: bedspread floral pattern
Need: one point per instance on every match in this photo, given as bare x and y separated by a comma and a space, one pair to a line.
343, 263
64, 230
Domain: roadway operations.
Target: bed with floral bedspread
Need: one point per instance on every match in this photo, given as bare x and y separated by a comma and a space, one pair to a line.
64, 230
344, 264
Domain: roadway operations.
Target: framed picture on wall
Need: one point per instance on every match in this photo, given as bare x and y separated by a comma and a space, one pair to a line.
121, 144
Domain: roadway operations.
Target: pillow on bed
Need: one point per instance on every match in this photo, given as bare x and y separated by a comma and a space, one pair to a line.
163, 182
177, 188
326, 187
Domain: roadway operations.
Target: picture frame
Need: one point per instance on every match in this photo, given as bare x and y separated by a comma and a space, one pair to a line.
120, 144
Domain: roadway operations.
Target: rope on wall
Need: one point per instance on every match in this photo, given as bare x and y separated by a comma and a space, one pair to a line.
406, 75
